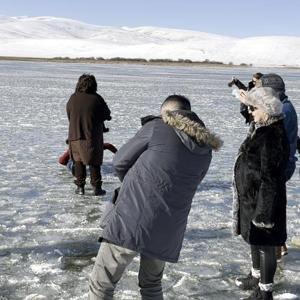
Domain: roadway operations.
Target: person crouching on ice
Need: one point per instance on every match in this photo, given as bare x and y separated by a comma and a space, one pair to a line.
66, 160
259, 206
160, 169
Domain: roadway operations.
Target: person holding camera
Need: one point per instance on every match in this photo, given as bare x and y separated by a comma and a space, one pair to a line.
251, 84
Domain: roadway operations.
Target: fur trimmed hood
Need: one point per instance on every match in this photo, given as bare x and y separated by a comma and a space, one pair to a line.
266, 99
190, 124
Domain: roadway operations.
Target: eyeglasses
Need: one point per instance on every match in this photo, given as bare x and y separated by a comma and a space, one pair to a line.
252, 108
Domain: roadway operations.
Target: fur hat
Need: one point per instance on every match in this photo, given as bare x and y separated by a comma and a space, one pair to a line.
265, 99
274, 81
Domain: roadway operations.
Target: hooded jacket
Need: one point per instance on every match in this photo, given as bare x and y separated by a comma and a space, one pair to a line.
160, 169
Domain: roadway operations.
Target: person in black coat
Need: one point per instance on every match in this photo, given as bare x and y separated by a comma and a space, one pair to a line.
87, 112
259, 207
290, 121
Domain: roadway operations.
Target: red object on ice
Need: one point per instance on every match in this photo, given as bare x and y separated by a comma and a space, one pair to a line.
110, 147
63, 160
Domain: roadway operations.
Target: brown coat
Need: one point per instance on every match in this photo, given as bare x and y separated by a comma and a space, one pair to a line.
86, 114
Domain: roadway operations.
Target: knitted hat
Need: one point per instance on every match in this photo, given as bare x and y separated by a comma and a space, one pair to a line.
265, 99
274, 81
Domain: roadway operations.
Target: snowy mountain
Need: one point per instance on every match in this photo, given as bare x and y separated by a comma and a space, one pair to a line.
57, 37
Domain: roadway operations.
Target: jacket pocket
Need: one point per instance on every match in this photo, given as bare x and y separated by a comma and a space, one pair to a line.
109, 209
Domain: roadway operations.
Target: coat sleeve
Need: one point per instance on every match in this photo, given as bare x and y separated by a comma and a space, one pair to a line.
128, 154
271, 157
291, 128
68, 109
105, 111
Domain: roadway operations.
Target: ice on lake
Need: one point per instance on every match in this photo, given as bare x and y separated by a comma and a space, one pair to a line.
48, 235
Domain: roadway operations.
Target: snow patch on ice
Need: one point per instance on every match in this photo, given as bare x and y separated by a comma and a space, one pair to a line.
27, 221
286, 296
35, 297
44, 268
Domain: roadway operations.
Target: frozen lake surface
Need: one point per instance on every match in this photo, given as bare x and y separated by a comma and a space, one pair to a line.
48, 235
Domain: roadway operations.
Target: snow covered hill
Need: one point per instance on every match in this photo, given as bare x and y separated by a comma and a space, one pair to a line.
57, 37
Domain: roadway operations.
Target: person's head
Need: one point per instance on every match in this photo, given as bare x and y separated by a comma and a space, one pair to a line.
258, 115
86, 84
175, 102
273, 81
263, 104
256, 77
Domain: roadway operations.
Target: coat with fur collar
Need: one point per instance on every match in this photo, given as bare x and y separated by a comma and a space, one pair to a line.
259, 185
160, 169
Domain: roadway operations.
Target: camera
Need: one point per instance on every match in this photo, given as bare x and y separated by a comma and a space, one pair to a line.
238, 84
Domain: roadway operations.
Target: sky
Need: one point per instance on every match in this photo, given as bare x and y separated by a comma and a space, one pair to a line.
237, 18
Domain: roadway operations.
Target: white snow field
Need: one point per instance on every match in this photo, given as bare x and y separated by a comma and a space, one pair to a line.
48, 235
58, 37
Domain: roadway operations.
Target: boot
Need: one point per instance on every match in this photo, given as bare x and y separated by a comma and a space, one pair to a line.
247, 283
98, 191
79, 190
258, 294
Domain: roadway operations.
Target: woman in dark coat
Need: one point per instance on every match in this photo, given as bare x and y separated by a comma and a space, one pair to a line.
86, 113
259, 208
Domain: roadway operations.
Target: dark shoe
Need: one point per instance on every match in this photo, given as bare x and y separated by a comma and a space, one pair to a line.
258, 294
98, 191
247, 283
79, 190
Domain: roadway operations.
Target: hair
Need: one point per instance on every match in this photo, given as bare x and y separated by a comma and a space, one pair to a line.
175, 102
86, 84
257, 75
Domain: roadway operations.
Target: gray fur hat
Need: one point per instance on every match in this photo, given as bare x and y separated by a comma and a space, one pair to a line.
274, 81
265, 99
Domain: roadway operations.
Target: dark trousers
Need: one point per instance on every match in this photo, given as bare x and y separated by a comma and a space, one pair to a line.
264, 259
80, 174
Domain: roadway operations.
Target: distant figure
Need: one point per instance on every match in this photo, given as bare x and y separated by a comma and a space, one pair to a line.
86, 112
160, 169
259, 207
